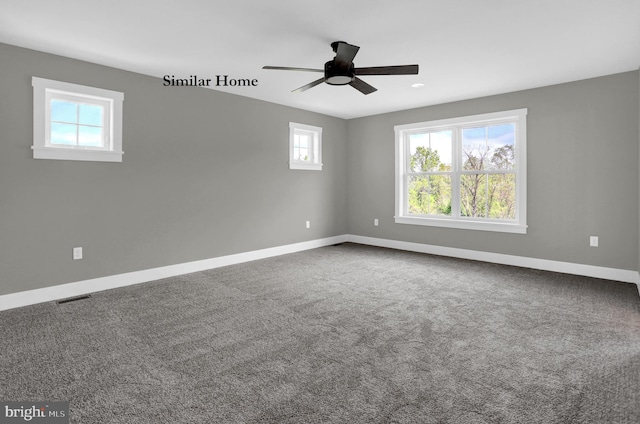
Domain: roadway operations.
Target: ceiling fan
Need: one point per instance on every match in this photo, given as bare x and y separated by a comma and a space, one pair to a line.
342, 71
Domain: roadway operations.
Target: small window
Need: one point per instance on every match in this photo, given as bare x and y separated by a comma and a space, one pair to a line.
76, 122
467, 172
305, 147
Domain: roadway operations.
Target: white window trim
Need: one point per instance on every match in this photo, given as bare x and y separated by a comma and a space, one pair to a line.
518, 225
43, 89
316, 163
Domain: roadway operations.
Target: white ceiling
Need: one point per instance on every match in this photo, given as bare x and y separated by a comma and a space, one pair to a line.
465, 48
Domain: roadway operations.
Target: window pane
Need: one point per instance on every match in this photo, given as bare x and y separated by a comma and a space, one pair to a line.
91, 115
430, 151
501, 140
429, 194
490, 147
502, 196
63, 134
300, 141
63, 111
475, 154
473, 195
302, 144
90, 136
301, 154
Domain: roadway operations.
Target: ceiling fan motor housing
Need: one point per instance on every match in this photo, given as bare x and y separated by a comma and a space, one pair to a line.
337, 75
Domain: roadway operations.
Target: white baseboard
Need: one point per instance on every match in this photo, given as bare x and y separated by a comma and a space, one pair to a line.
62, 291
627, 276
79, 288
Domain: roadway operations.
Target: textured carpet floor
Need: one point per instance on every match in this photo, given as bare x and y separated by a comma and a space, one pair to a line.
343, 334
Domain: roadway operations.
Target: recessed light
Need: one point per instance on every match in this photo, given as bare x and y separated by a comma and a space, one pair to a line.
417, 85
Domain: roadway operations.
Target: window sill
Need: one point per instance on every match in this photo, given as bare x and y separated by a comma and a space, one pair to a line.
501, 227
306, 166
76, 154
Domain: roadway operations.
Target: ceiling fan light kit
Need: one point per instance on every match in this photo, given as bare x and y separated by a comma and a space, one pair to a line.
342, 71
337, 76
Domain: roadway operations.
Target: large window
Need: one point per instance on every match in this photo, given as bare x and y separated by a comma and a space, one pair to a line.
76, 122
467, 172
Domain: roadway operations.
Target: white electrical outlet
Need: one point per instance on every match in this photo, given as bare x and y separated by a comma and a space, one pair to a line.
308, 224
375, 222
77, 253
593, 241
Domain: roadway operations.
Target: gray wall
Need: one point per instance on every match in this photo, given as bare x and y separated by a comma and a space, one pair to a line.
582, 148
205, 174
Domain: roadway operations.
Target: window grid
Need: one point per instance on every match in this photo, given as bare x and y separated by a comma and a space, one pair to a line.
97, 134
305, 147
456, 173
485, 180
76, 123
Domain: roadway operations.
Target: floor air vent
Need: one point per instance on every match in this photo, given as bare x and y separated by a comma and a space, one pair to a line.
73, 299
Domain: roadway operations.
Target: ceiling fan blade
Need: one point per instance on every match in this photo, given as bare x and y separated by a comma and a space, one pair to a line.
362, 86
388, 70
308, 86
286, 68
345, 53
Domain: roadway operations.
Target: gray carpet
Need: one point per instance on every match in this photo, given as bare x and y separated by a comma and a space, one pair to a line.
342, 334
